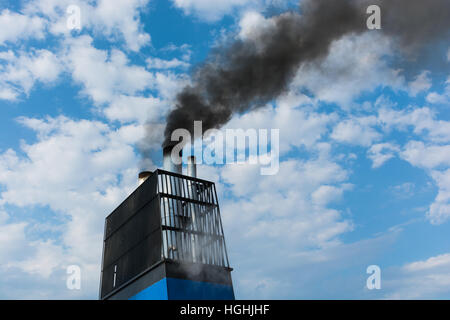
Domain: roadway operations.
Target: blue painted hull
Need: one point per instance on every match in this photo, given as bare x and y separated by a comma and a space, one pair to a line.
179, 289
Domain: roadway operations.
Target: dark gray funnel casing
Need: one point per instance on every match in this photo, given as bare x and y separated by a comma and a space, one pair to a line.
192, 167
168, 164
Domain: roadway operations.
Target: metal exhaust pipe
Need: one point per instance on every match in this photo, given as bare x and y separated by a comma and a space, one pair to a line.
192, 167
168, 164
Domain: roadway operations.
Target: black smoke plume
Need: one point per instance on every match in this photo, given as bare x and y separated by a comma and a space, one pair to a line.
247, 74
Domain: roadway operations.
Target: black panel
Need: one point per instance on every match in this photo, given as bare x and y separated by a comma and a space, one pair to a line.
137, 285
133, 231
139, 198
141, 257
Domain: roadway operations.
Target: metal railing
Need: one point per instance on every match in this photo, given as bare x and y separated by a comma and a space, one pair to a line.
191, 225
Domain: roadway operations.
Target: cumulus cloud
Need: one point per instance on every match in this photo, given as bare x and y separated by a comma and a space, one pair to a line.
211, 11
436, 160
421, 155
381, 152
427, 279
136, 109
436, 98
102, 74
356, 131
355, 64
80, 170
440, 98
420, 84
439, 211
116, 20
16, 26
300, 125
19, 73
12, 238
157, 63
277, 217
422, 121
253, 24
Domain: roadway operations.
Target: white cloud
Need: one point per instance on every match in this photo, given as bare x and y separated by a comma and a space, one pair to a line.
122, 16
156, 63
20, 72
15, 26
299, 125
46, 258
422, 120
440, 98
7, 93
356, 131
212, 11
355, 64
304, 188
421, 155
421, 83
12, 239
253, 24
116, 20
105, 75
136, 109
119, 88
436, 98
381, 152
439, 211
436, 159
427, 279
80, 170
431, 154
326, 194
430, 263
282, 231
168, 84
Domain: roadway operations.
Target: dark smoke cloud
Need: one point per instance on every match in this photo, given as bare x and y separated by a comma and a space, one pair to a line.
247, 74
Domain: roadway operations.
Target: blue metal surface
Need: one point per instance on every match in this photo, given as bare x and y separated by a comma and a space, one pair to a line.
179, 289
157, 291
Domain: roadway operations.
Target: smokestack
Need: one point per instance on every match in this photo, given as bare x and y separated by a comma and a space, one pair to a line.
192, 167
144, 176
167, 160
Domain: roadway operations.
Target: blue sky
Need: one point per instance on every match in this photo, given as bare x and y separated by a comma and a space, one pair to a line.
364, 165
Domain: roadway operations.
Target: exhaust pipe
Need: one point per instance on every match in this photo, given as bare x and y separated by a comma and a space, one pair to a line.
168, 163
192, 167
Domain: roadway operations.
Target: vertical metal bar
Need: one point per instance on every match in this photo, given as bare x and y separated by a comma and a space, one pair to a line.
221, 229
166, 249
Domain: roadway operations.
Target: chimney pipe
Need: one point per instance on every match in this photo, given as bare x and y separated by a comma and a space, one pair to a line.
168, 163
192, 167
144, 176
